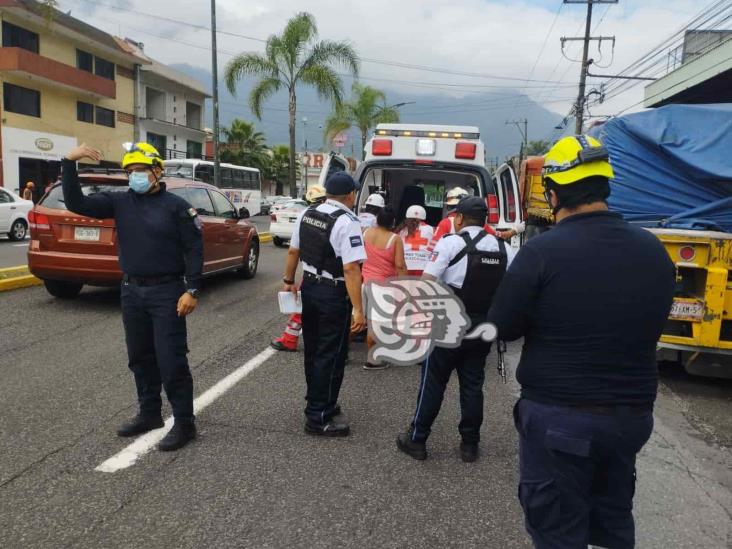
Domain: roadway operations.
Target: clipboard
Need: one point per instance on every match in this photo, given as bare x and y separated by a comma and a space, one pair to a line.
289, 304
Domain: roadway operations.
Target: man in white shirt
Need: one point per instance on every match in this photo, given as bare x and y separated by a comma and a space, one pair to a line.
472, 263
327, 239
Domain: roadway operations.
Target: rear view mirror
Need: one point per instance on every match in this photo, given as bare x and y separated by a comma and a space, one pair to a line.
243, 213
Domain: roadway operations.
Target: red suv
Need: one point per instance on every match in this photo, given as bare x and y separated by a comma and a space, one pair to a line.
69, 250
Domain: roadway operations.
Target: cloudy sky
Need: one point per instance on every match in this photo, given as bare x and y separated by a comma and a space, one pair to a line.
501, 44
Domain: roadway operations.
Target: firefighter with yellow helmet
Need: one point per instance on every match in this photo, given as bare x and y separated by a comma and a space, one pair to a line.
590, 298
161, 258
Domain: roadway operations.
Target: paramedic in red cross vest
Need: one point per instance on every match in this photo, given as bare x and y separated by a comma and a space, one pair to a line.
447, 225
327, 239
472, 263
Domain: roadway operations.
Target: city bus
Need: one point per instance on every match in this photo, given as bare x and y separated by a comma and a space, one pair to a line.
241, 184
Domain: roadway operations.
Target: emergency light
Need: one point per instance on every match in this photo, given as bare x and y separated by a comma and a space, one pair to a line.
465, 150
381, 147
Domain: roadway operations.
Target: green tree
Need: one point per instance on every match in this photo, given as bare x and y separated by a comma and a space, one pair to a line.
245, 145
536, 148
278, 167
366, 109
293, 58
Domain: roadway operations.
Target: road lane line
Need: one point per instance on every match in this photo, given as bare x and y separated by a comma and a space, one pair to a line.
129, 455
20, 245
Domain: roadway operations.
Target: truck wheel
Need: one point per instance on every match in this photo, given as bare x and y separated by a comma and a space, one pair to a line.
62, 289
251, 261
279, 242
18, 230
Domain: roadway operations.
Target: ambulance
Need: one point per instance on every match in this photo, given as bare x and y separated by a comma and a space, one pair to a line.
417, 164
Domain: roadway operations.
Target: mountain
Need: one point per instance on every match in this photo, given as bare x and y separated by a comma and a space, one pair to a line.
489, 111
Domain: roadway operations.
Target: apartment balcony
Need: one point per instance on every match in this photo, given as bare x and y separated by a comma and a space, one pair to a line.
55, 73
173, 124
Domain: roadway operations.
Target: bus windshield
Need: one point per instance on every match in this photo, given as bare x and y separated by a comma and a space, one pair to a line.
178, 170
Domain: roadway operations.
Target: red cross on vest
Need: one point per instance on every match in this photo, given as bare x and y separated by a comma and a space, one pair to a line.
415, 240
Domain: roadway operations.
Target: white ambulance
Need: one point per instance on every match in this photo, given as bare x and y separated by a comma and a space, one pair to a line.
417, 164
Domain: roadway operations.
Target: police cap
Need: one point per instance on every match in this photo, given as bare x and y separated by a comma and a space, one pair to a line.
472, 206
339, 184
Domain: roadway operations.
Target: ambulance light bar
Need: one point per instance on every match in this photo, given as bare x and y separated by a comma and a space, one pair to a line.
412, 133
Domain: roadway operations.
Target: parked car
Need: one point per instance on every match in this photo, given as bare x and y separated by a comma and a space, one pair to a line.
265, 207
14, 214
68, 250
283, 220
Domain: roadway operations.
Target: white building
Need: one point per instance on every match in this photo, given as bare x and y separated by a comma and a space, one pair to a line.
170, 111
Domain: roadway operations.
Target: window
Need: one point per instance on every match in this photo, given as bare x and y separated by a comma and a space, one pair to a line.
240, 181
204, 173
224, 208
508, 197
5, 198
160, 142
55, 197
227, 178
200, 200
194, 149
193, 115
84, 112
256, 184
17, 37
22, 100
105, 117
103, 68
84, 61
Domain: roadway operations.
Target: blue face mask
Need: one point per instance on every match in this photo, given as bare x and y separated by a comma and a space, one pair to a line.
139, 182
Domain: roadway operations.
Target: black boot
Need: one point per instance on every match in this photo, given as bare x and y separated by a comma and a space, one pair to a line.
331, 429
182, 433
468, 452
140, 424
416, 450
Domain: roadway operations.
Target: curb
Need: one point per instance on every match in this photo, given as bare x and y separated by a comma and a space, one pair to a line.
14, 278
265, 237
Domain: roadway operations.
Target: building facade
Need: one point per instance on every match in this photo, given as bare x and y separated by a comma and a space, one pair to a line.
170, 110
63, 82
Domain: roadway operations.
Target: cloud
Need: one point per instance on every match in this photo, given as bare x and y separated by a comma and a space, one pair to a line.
500, 38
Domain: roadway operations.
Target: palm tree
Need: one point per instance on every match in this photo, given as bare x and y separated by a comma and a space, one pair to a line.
245, 145
366, 109
278, 167
293, 58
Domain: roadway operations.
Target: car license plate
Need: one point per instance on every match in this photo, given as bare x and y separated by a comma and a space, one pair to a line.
291, 219
687, 309
90, 234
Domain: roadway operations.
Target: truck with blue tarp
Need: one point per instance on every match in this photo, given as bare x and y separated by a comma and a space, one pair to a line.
673, 175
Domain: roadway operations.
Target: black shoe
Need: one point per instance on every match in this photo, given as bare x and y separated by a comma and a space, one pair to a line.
181, 434
337, 410
330, 429
416, 450
372, 366
139, 424
468, 452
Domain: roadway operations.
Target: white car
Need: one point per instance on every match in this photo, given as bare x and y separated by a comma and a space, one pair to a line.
14, 214
283, 220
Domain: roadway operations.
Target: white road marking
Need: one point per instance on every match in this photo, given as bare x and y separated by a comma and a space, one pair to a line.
129, 455
20, 245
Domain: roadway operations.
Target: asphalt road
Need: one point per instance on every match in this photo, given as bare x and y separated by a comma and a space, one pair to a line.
254, 479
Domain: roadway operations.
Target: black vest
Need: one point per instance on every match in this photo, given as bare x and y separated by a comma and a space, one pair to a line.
315, 248
484, 273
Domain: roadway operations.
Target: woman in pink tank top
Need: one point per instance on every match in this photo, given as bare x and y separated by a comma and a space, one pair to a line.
384, 259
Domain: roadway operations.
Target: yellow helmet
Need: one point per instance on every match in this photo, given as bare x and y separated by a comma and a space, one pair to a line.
314, 194
574, 158
141, 153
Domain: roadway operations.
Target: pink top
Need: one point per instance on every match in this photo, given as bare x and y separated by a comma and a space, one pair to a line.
379, 264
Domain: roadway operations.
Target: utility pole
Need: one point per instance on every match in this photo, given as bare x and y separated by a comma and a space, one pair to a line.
524, 135
579, 106
215, 99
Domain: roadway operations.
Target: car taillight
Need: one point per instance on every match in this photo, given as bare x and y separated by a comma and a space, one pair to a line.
38, 221
381, 147
687, 253
273, 217
465, 150
493, 214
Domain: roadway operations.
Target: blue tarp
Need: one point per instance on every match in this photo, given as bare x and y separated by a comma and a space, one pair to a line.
673, 166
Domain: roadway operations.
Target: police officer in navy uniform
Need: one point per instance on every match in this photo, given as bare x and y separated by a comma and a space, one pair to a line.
161, 257
590, 298
472, 263
327, 239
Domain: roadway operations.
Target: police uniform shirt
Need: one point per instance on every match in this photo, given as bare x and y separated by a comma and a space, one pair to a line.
345, 237
449, 246
367, 220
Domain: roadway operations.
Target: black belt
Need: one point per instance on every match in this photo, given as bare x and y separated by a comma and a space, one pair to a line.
150, 280
323, 280
613, 409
